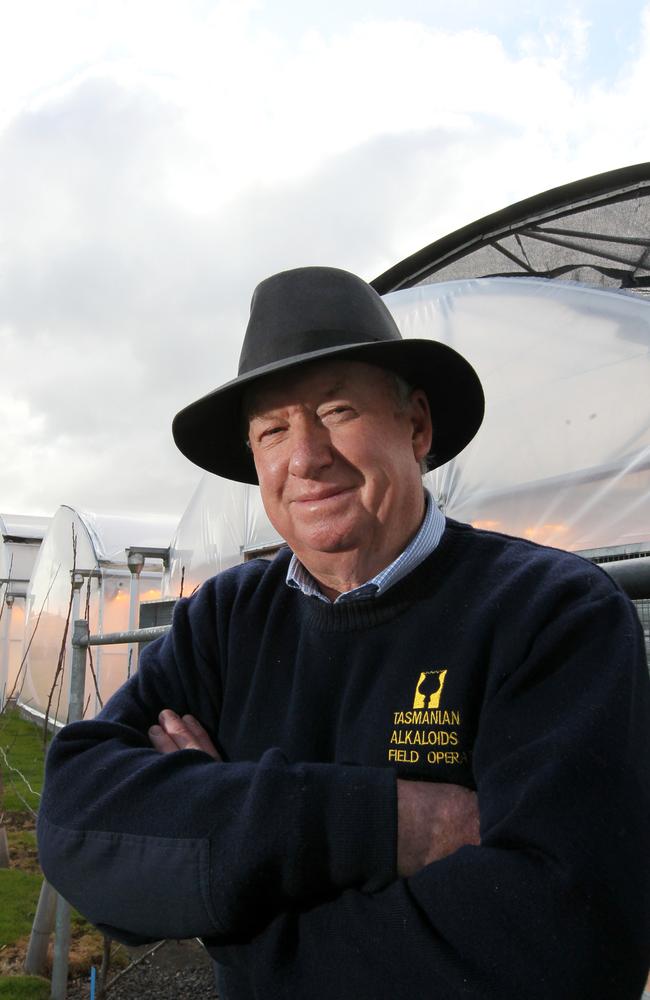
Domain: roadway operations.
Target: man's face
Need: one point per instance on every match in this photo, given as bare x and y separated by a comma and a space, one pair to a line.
337, 458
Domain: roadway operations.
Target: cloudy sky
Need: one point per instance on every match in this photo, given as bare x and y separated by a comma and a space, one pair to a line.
159, 157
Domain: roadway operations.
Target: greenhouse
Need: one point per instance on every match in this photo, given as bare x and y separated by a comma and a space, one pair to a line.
20, 538
223, 524
97, 567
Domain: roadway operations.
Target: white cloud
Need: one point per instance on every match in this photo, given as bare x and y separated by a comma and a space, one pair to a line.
157, 160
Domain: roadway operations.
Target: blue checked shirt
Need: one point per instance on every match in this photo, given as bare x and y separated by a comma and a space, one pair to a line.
422, 545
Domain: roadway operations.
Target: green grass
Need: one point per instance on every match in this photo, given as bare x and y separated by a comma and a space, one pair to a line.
18, 898
21, 839
24, 988
22, 742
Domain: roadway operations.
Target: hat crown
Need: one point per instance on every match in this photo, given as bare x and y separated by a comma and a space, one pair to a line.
314, 314
308, 309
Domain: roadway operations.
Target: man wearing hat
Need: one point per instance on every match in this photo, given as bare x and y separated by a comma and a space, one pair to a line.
296, 772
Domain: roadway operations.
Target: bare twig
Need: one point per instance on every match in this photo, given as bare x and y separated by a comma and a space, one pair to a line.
147, 954
89, 650
94, 677
60, 666
182, 580
103, 969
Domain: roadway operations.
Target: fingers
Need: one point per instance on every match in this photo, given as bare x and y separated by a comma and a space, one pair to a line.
176, 733
203, 741
161, 741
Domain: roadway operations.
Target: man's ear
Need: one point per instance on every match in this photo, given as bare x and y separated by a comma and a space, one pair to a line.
422, 430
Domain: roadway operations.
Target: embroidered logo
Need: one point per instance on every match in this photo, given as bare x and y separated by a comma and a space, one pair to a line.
429, 689
426, 733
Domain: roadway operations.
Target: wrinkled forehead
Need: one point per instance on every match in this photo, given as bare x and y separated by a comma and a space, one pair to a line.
314, 379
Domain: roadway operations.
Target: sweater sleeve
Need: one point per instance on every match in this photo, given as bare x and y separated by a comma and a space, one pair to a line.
556, 900
178, 845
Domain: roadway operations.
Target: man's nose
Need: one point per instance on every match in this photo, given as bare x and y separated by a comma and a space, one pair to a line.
311, 450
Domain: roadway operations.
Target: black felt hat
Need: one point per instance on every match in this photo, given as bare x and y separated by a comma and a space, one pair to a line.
313, 313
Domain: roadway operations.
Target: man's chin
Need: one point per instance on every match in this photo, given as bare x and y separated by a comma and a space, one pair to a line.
324, 544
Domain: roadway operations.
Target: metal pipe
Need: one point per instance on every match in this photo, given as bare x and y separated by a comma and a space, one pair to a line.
632, 575
135, 562
75, 712
78, 670
137, 635
77, 584
39, 939
59, 986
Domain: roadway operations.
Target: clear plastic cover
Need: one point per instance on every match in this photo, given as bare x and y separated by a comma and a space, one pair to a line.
223, 524
563, 456
20, 537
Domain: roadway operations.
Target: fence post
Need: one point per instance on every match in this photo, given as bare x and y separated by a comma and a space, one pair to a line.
80, 633
59, 986
78, 670
36, 958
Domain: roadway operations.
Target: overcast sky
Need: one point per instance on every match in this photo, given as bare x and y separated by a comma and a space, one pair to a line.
160, 157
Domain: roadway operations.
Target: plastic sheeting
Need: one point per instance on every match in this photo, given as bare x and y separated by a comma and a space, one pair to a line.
563, 456
20, 538
223, 524
101, 542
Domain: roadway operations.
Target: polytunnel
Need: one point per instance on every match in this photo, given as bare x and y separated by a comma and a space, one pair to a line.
223, 524
82, 571
20, 538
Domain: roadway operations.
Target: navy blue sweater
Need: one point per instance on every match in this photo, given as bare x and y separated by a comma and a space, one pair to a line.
497, 664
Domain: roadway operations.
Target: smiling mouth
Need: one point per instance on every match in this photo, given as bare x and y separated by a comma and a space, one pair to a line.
322, 498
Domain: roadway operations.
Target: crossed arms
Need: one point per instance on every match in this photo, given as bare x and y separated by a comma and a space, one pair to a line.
433, 820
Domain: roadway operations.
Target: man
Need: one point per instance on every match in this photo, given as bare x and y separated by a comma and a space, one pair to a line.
296, 772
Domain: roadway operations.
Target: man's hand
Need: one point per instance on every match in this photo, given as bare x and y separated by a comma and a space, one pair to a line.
433, 820
176, 733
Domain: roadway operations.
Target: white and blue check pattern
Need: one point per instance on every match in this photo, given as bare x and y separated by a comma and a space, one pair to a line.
422, 545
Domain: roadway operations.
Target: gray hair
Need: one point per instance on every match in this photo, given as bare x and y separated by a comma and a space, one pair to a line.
402, 391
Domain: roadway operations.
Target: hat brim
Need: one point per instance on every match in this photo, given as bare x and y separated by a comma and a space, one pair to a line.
210, 431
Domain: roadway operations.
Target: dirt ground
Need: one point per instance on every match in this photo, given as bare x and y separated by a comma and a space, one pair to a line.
179, 970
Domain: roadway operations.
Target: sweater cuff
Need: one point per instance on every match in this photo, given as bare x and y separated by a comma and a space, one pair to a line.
351, 818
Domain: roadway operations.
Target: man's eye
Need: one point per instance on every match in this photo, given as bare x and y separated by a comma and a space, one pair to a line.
270, 431
336, 412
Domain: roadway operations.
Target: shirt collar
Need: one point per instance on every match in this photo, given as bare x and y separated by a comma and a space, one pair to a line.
422, 545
